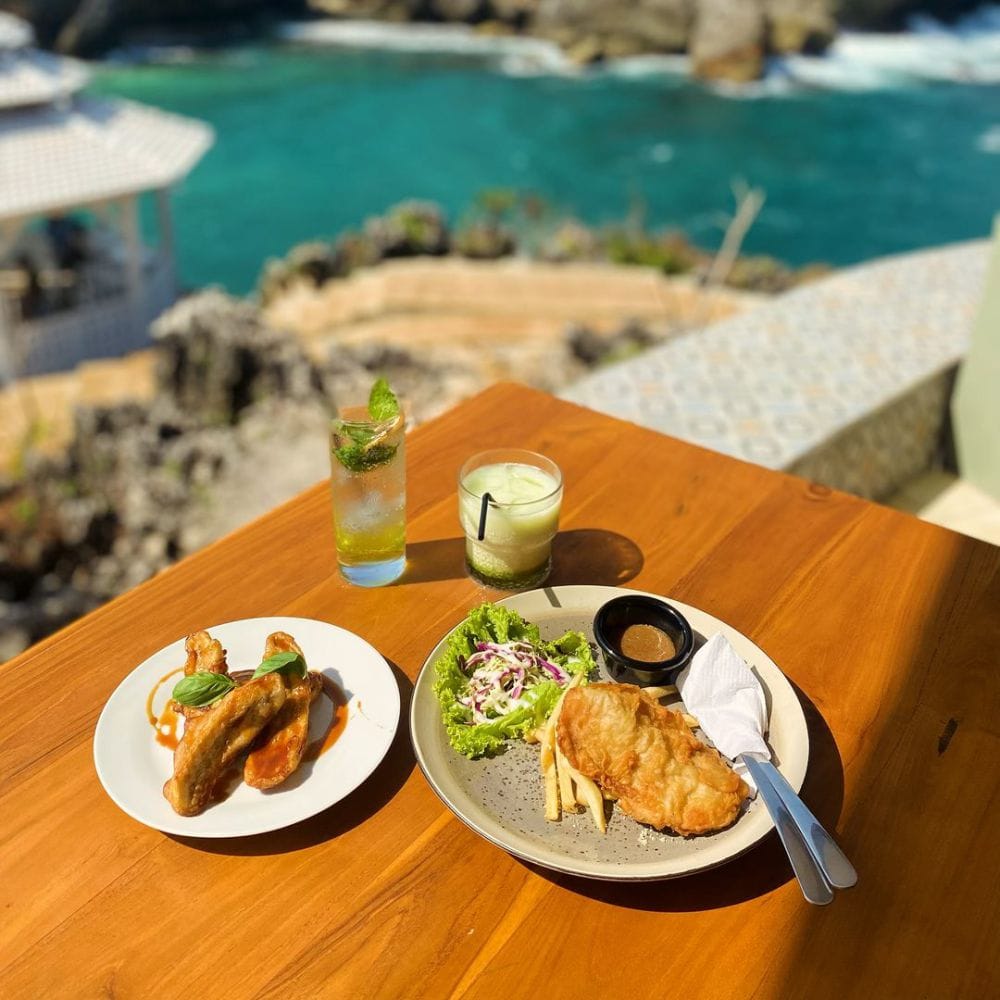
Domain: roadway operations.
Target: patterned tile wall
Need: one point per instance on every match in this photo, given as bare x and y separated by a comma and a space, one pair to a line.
844, 380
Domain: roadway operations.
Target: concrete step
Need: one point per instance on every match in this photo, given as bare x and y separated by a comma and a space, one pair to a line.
116, 380
39, 412
592, 293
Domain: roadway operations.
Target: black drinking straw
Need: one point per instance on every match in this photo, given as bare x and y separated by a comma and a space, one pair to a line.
487, 500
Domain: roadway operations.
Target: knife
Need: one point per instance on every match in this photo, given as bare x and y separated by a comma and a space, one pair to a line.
832, 861
813, 884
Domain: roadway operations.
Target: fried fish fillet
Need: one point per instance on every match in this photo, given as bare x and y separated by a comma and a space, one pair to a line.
644, 755
279, 749
212, 741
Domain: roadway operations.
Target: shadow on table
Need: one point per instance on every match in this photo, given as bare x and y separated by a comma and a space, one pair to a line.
583, 555
761, 870
594, 556
366, 800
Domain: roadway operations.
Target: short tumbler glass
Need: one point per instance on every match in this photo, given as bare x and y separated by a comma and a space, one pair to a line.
522, 516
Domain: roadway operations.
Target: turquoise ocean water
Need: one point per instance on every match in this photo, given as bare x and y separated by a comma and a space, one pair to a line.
310, 141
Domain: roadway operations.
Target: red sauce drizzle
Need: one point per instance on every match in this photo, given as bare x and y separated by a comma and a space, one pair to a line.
335, 727
166, 725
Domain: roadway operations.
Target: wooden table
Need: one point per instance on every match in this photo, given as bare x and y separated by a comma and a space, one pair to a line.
889, 627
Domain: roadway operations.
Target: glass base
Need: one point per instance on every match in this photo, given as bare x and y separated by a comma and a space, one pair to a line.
511, 581
374, 574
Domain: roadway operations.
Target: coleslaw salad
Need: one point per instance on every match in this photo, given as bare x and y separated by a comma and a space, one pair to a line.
499, 680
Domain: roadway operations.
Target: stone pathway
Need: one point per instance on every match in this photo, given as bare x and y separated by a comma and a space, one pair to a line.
844, 381
944, 499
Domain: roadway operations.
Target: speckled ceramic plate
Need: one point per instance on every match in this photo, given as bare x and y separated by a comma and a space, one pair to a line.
502, 798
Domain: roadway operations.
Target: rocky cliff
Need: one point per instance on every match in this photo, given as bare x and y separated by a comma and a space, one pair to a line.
89, 27
727, 39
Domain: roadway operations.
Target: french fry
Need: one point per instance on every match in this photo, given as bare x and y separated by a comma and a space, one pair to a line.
690, 721
549, 763
569, 802
661, 692
591, 794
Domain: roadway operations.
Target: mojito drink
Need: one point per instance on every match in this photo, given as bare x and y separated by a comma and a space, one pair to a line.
522, 516
368, 485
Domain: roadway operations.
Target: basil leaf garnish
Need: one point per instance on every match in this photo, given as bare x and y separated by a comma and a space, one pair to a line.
202, 688
382, 402
290, 663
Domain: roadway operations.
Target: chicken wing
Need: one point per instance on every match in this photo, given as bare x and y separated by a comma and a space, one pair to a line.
279, 748
204, 654
281, 642
281, 745
644, 755
212, 741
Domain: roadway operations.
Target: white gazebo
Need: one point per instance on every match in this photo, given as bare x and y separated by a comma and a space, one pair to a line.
63, 152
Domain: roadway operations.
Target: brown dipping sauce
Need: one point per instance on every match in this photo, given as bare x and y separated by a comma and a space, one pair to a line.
645, 643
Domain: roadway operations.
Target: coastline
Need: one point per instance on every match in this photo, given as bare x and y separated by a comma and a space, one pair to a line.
927, 51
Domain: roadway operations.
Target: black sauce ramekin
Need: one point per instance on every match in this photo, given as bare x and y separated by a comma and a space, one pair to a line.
638, 609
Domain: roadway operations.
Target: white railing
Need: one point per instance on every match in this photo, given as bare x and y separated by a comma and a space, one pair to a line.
104, 328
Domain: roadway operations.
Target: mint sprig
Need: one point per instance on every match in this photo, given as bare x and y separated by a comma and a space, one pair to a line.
360, 447
357, 458
382, 402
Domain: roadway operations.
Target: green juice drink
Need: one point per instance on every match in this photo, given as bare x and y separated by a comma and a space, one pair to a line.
522, 516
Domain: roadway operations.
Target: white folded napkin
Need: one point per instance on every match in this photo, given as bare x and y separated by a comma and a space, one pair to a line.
722, 692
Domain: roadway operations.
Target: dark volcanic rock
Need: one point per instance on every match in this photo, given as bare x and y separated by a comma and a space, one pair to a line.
89, 27
217, 357
890, 15
799, 25
484, 240
410, 229
118, 506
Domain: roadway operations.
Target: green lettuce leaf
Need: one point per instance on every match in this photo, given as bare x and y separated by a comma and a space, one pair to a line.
492, 623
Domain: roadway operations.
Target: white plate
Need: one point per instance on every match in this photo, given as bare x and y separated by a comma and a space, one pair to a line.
133, 767
502, 798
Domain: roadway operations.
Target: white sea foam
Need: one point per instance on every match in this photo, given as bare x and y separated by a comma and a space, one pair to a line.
968, 52
989, 141
662, 152
649, 65
517, 55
